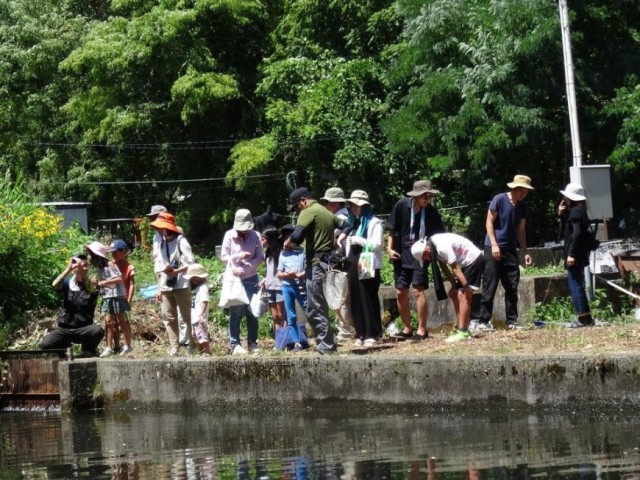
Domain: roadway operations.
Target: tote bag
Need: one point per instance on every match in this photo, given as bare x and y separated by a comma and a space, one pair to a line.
365, 264
233, 292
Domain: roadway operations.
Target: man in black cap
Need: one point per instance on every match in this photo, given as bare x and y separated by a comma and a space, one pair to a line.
315, 227
412, 219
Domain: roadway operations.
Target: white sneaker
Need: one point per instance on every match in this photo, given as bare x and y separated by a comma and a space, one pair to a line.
358, 342
370, 342
126, 349
108, 352
254, 349
238, 350
478, 326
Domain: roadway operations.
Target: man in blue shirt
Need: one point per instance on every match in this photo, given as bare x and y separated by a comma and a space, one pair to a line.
506, 227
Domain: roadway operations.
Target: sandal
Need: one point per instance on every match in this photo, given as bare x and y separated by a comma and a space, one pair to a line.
403, 335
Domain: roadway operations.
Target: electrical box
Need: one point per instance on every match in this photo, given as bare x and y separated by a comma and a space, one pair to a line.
596, 180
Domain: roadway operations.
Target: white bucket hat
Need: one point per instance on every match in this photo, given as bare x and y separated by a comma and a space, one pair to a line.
243, 220
417, 250
359, 197
574, 191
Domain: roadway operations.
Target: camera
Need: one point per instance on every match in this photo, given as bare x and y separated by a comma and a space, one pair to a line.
171, 281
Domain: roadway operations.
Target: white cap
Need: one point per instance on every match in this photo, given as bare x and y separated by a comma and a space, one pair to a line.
417, 250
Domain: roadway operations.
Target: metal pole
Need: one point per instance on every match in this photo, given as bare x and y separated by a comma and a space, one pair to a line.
570, 84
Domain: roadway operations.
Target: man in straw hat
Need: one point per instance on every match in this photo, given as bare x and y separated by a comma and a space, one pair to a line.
411, 219
315, 227
506, 227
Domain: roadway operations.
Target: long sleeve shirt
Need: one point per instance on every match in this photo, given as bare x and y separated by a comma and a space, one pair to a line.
233, 248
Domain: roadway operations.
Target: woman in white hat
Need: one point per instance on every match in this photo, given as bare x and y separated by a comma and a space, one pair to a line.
573, 213
364, 278
242, 251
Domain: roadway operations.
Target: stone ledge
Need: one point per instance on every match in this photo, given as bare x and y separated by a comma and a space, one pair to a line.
442, 382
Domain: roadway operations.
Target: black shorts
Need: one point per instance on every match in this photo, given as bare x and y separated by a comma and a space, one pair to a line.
473, 273
405, 277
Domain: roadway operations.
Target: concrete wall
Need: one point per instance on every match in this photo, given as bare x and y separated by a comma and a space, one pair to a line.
531, 290
424, 382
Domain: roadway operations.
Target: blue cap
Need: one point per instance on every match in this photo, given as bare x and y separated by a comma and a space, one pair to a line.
118, 245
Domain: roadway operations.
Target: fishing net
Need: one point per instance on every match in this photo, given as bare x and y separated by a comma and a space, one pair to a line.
335, 288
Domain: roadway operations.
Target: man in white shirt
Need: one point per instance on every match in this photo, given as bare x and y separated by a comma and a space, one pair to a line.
463, 265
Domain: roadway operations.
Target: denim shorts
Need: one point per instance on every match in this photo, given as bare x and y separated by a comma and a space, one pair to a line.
274, 296
113, 305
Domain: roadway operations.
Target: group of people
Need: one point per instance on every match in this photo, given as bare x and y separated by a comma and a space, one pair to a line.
335, 226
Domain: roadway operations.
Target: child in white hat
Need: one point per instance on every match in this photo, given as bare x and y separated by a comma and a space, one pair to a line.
197, 277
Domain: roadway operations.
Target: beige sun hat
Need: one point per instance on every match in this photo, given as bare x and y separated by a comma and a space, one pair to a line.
420, 187
521, 181
359, 197
334, 194
243, 220
574, 191
195, 270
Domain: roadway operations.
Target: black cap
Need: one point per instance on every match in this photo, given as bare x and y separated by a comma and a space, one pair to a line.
297, 195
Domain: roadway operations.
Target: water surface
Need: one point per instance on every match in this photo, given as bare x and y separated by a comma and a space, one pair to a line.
314, 443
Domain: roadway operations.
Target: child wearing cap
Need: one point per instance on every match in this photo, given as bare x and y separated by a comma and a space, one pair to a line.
291, 270
114, 301
119, 251
197, 277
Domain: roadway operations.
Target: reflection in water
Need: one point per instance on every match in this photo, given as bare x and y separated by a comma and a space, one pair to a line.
316, 444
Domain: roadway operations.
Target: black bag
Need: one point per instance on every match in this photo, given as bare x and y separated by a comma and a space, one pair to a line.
592, 242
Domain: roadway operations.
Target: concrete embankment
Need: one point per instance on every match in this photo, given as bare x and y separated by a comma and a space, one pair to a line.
421, 382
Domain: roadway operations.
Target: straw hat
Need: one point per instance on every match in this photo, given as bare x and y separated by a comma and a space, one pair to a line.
243, 220
195, 270
521, 181
166, 221
574, 191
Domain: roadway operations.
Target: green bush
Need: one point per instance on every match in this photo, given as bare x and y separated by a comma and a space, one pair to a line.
33, 250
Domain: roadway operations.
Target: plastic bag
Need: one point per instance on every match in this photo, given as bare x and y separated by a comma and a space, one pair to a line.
233, 292
259, 304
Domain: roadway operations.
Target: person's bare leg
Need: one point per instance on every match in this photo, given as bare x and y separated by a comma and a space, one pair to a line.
422, 307
402, 299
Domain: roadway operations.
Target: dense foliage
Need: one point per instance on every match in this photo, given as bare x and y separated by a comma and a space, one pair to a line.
207, 106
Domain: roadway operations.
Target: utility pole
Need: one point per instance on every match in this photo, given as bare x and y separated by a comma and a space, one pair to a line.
570, 83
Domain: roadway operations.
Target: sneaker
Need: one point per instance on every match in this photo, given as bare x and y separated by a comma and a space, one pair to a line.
173, 352
297, 347
370, 342
458, 336
358, 343
126, 349
514, 326
108, 352
478, 326
253, 348
238, 350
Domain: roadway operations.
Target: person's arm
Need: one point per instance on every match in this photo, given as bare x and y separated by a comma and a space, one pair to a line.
576, 232
393, 255
257, 256
114, 278
132, 286
491, 233
57, 283
522, 239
